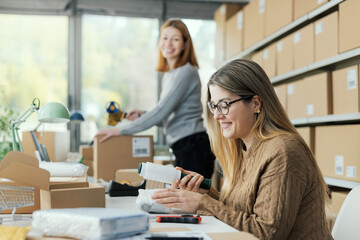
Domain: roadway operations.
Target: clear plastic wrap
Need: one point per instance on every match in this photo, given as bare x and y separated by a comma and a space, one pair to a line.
90, 223
145, 203
64, 169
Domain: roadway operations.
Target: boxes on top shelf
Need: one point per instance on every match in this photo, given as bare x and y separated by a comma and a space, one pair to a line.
279, 13
281, 93
285, 55
304, 46
346, 93
318, 95
234, 35
254, 22
221, 15
269, 60
337, 151
326, 37
295, 99
302, 7
349, 31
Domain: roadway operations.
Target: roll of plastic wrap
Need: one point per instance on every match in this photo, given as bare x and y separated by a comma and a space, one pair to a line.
64, 169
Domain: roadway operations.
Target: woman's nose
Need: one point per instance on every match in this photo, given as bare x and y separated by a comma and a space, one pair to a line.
217, 114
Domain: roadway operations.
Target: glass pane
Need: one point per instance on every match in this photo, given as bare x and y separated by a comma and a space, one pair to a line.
33, 63
118, 64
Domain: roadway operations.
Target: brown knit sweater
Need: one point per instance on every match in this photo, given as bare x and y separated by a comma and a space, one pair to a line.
278, 195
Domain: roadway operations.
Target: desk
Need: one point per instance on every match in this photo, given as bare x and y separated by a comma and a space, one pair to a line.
215, 228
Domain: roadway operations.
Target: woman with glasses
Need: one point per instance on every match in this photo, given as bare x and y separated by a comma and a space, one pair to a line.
273, 187
179, 109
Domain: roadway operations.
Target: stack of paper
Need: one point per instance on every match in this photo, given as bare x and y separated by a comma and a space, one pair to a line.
90, 223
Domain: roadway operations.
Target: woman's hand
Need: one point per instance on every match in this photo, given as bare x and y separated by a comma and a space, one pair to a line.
178, 198
191, 182
108, 133
134, 114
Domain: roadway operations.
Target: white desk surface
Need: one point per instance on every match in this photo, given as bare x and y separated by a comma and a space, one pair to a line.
214, 227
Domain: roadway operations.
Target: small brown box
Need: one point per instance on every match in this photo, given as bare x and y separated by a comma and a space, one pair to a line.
87, 152
258, 58
302, 7
285, 55
318, 95
336, 157
295, 99
308, 134
269, 60
121, 152
234, 35
304, 46
346, 95
326, 37
221, 15
279, 13
254, 22
281, 92
349, 31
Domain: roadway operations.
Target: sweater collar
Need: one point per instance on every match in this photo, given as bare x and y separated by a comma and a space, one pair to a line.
250, 151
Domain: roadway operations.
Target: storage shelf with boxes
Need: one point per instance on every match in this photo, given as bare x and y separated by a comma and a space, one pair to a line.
313, 62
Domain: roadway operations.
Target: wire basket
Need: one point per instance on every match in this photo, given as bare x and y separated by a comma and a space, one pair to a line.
13, 197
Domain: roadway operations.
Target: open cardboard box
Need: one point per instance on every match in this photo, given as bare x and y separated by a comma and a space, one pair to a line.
24, 170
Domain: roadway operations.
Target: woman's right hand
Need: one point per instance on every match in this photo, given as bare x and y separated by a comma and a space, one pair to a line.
108, 133
134, 114
191, 182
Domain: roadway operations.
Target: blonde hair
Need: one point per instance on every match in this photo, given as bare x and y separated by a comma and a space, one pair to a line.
187, 55
247, 78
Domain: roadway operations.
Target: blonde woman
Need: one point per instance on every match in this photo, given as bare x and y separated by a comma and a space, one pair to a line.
179, 109
273, 187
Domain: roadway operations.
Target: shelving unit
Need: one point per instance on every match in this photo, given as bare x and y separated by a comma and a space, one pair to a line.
323, 65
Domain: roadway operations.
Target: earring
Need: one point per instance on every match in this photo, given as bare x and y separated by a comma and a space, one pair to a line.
257, 110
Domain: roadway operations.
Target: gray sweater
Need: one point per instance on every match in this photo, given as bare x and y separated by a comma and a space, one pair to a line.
179, 109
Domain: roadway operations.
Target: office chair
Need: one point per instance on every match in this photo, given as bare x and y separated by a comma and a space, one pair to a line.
347, 223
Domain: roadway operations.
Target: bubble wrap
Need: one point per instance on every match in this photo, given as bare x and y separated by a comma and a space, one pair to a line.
90, 223
147, 204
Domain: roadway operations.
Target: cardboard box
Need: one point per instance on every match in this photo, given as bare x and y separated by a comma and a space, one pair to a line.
326, 37
285, 55
90, 164
337, 199
121, 152
302, 7
258, 58
269, 60
304, 46
295, 99
57, 144
318, 95
24, 170
234, 35
254, 22
308, 134
346, 95
337, 151
349, 32
87, 152
279, 13
221, 15
281, 92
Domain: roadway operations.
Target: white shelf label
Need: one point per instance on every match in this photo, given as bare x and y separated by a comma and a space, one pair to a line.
141, 147
297, 37
351, 79
320, 1
339, 165
240, 20
261, 6
265, 54
222, 9
291, 89
319, 28
279, 46
310, 109
350, 171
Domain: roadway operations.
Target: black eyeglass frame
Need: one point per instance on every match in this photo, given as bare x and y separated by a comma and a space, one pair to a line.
212, 106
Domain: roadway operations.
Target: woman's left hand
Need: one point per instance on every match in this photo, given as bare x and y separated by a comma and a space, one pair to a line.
178, 198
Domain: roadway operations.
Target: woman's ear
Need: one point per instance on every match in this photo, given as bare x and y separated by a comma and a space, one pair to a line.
257, 103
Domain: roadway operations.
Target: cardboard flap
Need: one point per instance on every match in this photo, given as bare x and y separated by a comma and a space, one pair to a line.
15, 156
22, 169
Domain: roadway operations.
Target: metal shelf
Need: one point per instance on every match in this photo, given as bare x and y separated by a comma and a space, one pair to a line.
338, 118
288, 28
323, 63
341, 183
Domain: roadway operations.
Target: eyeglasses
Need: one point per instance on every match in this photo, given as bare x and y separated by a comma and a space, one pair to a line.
223, 106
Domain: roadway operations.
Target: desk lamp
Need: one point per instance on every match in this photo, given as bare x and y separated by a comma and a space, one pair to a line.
52, 112
76, 116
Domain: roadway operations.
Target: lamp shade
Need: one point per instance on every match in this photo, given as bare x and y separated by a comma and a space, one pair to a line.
53, 112
76, 116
